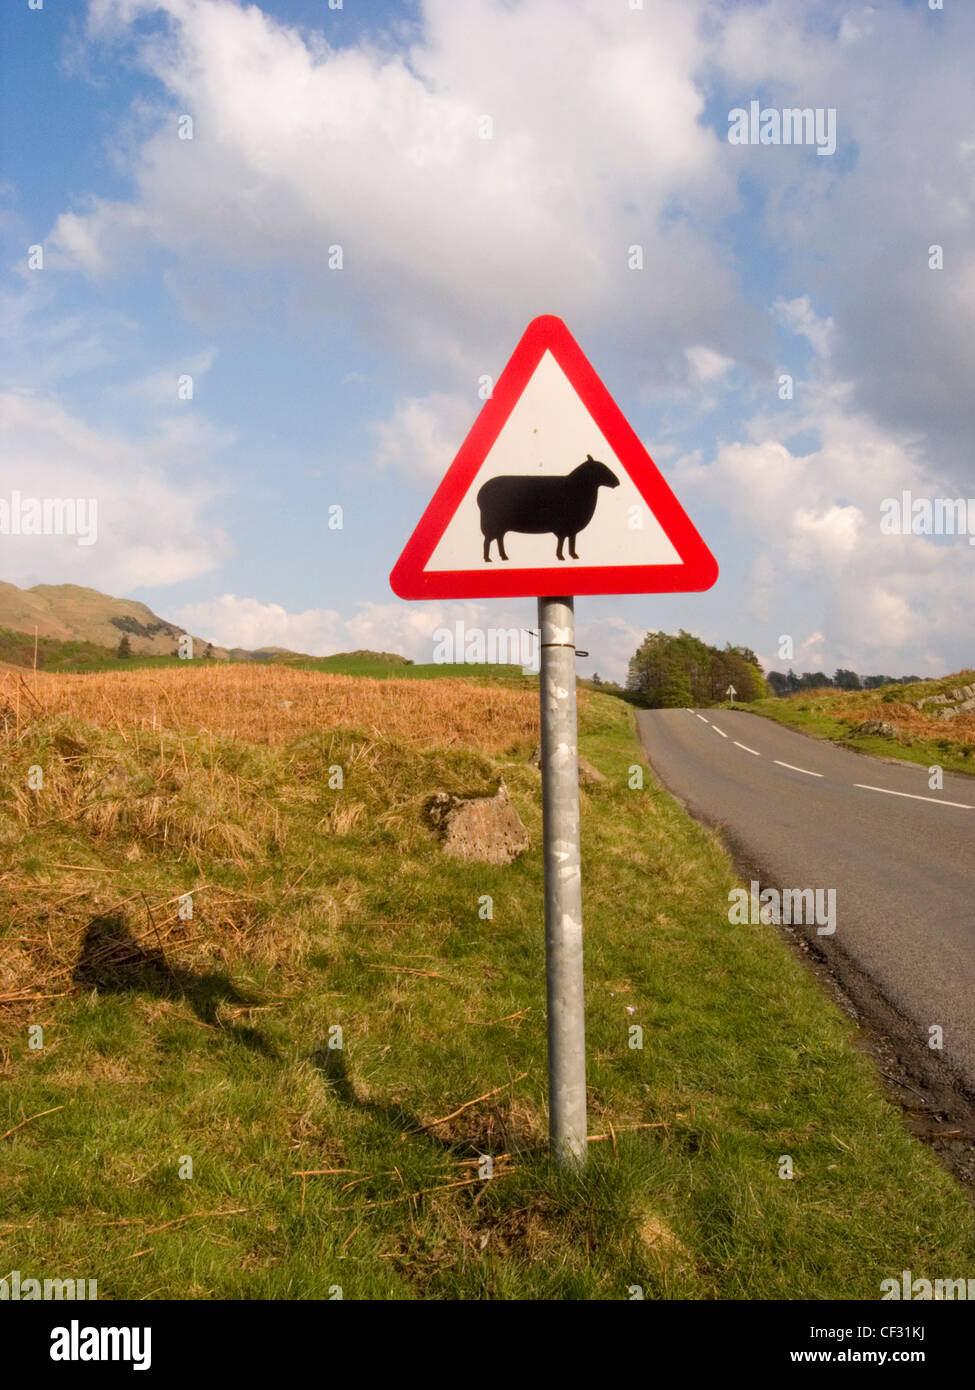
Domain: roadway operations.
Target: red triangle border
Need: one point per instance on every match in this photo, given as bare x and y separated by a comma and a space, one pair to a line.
698, 568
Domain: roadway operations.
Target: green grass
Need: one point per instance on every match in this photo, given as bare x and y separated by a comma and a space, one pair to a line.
356, 664
52, 653
55, 654
834, 714
227, 1062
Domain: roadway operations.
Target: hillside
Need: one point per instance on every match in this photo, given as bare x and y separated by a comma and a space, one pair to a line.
80, 629
71, 613
927, 721
338, 1035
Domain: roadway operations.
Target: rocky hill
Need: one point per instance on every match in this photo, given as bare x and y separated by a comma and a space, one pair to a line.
70, 613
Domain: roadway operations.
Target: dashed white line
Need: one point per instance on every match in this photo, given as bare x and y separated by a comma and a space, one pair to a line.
863, 786
962, 805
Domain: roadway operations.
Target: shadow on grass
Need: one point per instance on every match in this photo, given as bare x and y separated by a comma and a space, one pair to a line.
114, 962
489, 1131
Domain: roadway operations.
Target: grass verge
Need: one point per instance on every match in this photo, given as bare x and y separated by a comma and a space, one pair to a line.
316, 908
916, 730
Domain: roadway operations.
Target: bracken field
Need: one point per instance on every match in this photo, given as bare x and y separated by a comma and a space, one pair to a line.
135, 1040
268, 704
925, 722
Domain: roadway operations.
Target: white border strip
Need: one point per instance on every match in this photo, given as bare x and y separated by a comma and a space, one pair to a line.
962, 805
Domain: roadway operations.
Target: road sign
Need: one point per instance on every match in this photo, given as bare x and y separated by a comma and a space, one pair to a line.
552, 493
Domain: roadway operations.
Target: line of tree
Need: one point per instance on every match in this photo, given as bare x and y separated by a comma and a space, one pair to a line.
842, 679
667, 672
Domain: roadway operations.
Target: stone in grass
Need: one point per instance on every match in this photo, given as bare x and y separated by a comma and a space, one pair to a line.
588, 772
487, 829
876, 726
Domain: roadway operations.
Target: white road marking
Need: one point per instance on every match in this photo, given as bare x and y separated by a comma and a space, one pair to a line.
863, 786
962, 805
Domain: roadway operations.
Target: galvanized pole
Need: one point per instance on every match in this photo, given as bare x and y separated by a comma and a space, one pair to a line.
563, 884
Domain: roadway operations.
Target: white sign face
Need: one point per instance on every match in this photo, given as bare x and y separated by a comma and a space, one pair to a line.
549, 433
552, 493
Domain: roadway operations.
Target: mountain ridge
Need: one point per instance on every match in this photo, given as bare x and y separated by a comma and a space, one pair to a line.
77, 625
75, 613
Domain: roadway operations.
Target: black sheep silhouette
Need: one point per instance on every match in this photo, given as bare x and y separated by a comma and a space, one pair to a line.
563, 505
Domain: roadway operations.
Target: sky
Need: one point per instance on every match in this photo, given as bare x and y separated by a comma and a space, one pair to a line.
479, 163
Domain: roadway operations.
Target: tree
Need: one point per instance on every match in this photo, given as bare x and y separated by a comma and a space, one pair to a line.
124, 647
846, 680
669, 671
778, 682
737, 666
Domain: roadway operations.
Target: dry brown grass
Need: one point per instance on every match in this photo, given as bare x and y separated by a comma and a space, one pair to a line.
225, 770
857, 707
272, 705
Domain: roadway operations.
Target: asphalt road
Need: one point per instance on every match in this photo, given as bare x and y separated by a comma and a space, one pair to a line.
805, 814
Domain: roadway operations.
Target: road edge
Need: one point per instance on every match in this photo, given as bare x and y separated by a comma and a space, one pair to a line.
936, 1104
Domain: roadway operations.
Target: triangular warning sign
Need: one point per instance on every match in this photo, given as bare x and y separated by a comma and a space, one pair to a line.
552, 493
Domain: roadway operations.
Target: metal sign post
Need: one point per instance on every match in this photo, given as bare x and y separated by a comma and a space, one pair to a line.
550, 463
563, 883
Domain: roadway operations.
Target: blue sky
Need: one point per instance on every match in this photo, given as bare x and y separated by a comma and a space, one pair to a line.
359, 127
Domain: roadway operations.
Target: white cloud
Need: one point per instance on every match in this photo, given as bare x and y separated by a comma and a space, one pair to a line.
759, 585
858, 225
799, 315
809, 652
152, 529
707, 364
610, 643
450, 238
599, 141
879, 602
885, 602
424, 433
43, 348
409, 629
235, 621
821, 538
162, 386
231, 621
